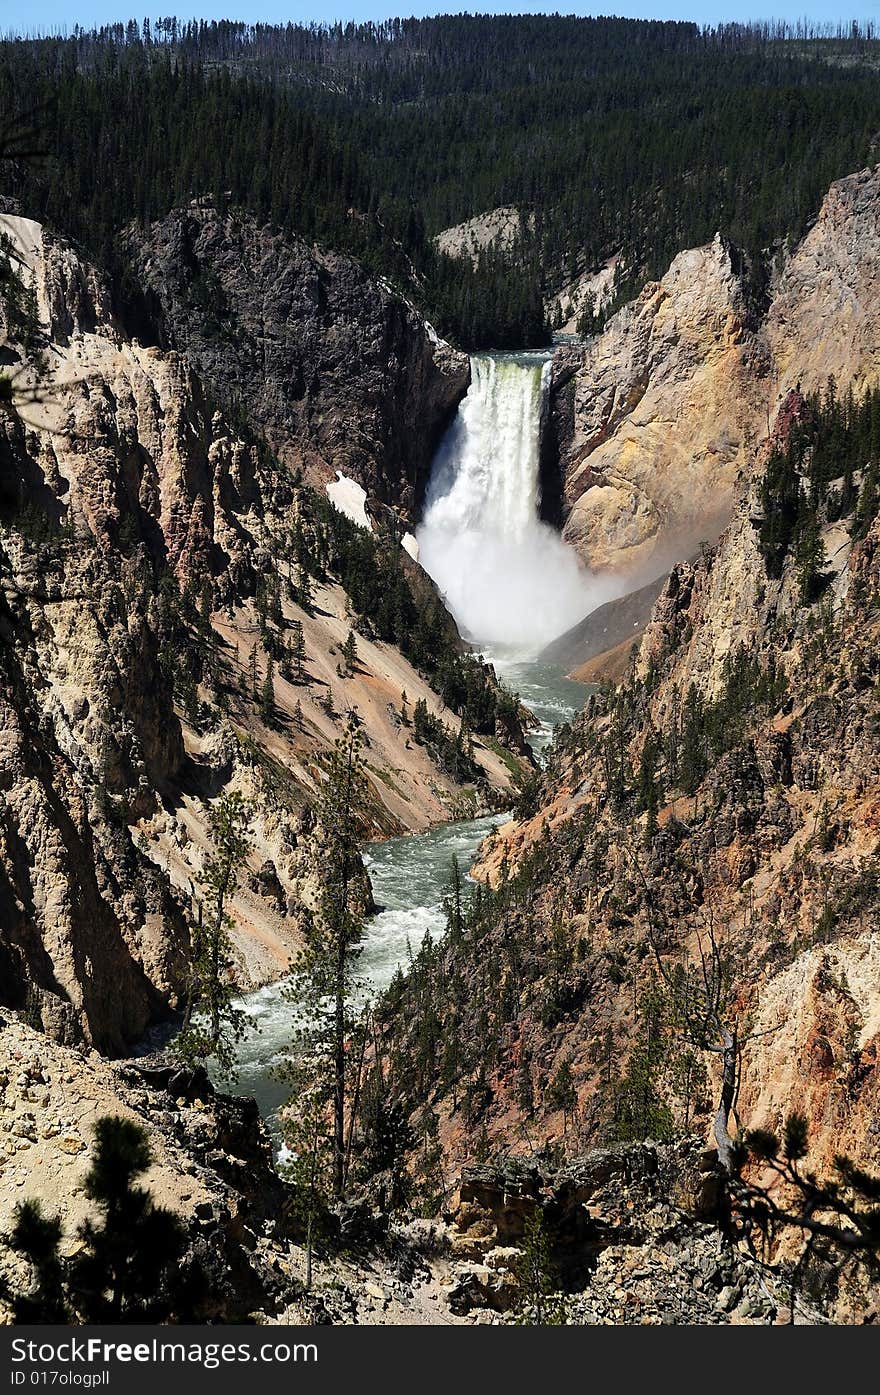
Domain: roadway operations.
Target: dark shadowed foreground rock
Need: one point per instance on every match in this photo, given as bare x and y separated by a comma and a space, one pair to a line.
630, 1240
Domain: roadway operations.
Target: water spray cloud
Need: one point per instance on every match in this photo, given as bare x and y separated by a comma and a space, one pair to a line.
508, 578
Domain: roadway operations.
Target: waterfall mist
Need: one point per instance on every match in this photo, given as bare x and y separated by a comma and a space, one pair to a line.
508, 578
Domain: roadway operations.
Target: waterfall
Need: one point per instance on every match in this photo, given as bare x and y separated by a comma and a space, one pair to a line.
508, 578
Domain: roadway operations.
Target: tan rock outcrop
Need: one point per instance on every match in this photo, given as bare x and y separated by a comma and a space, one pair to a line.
656, 416
498, 228
825, 318
663, 410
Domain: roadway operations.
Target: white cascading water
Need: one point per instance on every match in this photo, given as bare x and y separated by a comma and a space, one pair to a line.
508, 578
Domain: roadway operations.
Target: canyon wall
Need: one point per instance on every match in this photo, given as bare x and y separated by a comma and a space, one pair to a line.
655, 417
140, 533
770, 846
726, 790
339, 371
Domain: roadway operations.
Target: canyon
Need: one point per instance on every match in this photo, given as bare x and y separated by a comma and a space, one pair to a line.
183, 428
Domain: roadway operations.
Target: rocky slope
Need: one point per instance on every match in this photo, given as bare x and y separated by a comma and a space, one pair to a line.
212, 1162
339, 372
587, 291
655, 417
138, 528
630, 1240
607, 634
726, 793
627, 1231
213, 1167
497, 229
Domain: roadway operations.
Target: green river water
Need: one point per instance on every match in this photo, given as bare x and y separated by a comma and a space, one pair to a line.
409, 875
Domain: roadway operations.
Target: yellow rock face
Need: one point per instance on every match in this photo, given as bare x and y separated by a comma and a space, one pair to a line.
669, 403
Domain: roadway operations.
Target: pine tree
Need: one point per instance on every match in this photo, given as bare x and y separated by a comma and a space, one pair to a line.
309, 1142
639, 1110
128, 1266
323, 983
868, 503
525, 1088
692, 756
809, 559
780, 495
420, 721
385, 1138
304, 598
454, 903
562, 1093
274, 612
535, 1275
37, 1238
430, 1188
297, 652
206, 605
219, 1025
186, 691
267, 693
350, 653
650, 790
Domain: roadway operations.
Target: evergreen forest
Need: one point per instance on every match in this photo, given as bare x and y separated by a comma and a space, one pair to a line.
610, 136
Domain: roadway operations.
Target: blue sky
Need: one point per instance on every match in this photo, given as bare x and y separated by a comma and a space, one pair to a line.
46, 15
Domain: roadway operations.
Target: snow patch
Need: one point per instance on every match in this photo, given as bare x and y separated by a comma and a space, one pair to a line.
25, 235
349, 498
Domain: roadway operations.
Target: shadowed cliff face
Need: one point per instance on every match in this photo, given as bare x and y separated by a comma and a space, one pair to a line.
339, 371
655, 417
89, 927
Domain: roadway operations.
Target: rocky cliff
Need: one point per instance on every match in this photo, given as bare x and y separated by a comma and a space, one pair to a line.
626, 1227
212, 1164
655, 417
824, 319
339, 371
150, 580
720, 805
657, 414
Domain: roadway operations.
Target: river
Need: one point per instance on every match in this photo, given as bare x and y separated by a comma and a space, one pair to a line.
409, 876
